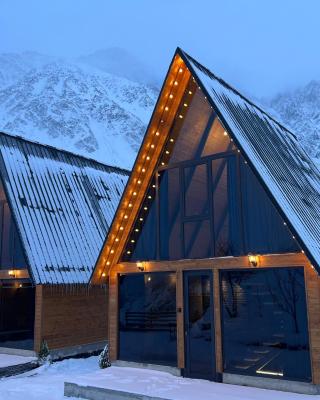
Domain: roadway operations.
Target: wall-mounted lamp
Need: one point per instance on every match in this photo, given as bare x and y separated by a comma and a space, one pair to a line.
12, 273
253, 260
140, 266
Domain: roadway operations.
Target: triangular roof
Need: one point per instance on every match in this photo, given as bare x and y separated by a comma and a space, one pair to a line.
287, 173
62, 204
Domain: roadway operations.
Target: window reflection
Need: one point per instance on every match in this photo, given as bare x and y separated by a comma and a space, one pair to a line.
265, 331
147, 318
11, 252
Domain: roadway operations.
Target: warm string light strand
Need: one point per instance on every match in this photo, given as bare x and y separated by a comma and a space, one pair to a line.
146, 159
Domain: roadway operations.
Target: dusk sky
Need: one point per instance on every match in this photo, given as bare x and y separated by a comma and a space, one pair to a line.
262, 47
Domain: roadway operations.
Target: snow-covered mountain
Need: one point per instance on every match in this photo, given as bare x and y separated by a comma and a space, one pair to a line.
99, 105
75, 106
300, 110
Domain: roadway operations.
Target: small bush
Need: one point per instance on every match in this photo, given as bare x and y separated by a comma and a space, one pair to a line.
104, 361
44, 355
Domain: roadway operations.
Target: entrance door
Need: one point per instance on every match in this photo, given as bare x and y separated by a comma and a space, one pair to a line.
198, 322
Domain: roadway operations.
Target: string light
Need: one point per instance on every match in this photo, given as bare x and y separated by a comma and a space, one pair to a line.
190, 92
111, 251
147, 158
225, 133
103, 274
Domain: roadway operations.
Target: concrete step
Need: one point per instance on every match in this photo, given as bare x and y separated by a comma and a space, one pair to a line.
98, 393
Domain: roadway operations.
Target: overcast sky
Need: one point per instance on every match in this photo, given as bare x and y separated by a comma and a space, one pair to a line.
261, 46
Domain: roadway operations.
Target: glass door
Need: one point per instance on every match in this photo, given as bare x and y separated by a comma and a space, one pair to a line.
199, 325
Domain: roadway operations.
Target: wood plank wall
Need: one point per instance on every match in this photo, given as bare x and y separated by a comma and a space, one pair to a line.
284, 260
67, 317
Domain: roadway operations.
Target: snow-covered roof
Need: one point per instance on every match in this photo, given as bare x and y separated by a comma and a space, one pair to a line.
284, 168
63, 205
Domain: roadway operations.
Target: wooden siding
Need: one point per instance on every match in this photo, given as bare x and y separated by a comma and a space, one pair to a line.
72, 316
215, 264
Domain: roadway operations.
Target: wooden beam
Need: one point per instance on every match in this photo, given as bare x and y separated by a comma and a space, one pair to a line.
38, 318
180, 319
144, 168
312, 283
217, 321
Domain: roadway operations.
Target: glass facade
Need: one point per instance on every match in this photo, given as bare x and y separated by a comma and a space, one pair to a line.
264, 323
147, 318
204, 200
11, 252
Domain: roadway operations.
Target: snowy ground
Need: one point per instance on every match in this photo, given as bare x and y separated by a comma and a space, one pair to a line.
7, 360
46, 383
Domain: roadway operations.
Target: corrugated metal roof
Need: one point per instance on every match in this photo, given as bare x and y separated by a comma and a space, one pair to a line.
288, 173
63, 205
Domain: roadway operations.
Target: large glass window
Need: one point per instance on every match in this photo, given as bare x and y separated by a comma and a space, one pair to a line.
264, 230
147, 318
264, 323
207, 202
170, 215
17, 316
11, 252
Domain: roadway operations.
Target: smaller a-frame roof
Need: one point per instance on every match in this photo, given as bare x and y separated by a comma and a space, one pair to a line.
63, 205
287, 173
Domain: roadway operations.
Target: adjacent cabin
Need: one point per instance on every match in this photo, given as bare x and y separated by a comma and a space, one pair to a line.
55, 210
213, 257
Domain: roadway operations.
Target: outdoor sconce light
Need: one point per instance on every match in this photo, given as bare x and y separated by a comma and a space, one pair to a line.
140, 266
253, 260
12, 273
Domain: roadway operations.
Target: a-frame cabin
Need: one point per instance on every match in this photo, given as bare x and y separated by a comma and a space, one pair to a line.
213, 256
55, 210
